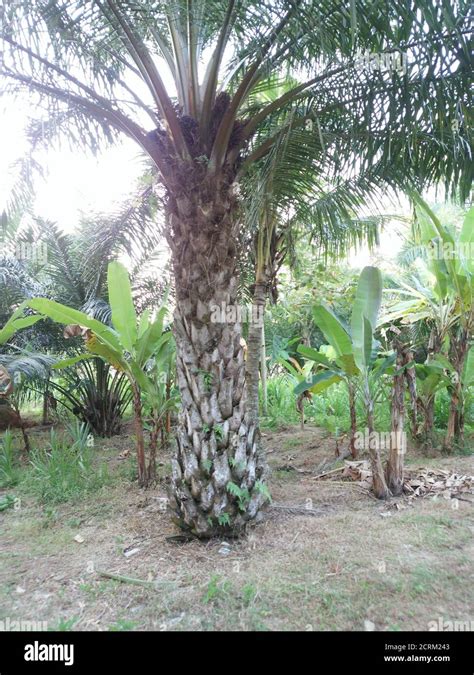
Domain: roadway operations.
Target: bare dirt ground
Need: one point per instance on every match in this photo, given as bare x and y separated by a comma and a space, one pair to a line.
327, 556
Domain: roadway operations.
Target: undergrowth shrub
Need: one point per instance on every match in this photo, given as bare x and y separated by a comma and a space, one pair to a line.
9, 466
65, 469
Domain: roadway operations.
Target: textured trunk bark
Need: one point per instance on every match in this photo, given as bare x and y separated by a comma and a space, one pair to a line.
379, 485
263, 371
455, 430
216, 483
45, 416
156, 429
427, 427
394, 468
410, 379
353, 414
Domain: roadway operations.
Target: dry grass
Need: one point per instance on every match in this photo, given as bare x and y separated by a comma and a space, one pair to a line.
326, 557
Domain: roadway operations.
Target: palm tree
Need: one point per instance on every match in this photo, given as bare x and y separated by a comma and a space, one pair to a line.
102, 64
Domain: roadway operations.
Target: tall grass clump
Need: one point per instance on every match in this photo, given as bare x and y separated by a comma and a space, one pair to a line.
328, 409
9, 467
65, 469
281, 403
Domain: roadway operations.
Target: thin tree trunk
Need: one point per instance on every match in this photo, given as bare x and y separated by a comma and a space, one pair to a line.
306, 395
455, 430
140, 437
427, 428
379, 485
410, 379
353, 414
156, 428
168, 396
394, 468
218, 468
24, 433
263, 370
254, 344
45, 416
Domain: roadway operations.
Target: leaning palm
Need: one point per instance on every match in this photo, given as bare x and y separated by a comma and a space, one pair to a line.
102, 65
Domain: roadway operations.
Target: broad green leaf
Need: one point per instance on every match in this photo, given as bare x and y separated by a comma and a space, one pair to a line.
468, 374
368, 297
65, 363
347, 363
314, 355
364, 314
147, 343
290, 368
333, 330
318, 382
143, 322
11, 327
384, 365
328, 351
467, 232
325, 384
124, 317
443, 361
467, 241
65, 315
141, 378
112, 356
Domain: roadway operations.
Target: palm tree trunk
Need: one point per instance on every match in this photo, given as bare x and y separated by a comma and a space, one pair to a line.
217, 469
394, 468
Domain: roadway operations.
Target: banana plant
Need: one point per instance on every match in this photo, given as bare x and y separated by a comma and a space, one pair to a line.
352, 358
129, 345
300, 374
363, 323
334, 363
453, 267
447, 305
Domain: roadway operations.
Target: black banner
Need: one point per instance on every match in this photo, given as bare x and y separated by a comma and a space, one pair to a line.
87, 653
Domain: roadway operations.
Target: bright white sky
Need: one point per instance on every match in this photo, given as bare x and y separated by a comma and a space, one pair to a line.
75, 181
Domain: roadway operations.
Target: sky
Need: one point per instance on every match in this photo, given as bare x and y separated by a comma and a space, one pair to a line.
75, 181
